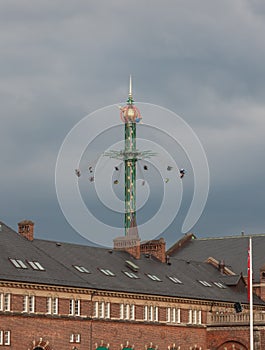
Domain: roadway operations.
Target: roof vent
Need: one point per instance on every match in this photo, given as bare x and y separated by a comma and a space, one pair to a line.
132, 266
0, 227
58, 244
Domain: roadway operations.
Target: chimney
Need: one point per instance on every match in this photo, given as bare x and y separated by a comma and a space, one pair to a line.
26, 229
156, 248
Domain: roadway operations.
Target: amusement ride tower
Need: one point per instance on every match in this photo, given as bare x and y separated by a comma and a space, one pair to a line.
130, 116
131, 158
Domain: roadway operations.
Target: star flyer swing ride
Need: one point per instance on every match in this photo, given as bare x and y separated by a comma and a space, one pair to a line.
130, 156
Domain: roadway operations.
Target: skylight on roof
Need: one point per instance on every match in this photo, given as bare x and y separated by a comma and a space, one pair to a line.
19, 264
132, 266
130, 274
175, 279
205, 283
81, 269
220, 285
153, 277
107, 272
36, 265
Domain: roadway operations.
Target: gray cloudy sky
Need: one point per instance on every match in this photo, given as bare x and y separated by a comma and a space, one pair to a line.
204, 60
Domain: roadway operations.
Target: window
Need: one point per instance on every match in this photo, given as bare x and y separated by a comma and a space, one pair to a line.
151, 313
173, 315
107, 272
195, 316
153, 277
130, 274
5, 302
4, 337
81, 269
220, 285
74, 307
205, 283
52, 305
175, 279
36, 265
96, 309
75, 338
132, 266
19, 264
29, 303
102, 309
127, 311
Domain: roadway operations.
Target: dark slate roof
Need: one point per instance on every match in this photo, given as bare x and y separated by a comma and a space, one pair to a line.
58, 261
232, 249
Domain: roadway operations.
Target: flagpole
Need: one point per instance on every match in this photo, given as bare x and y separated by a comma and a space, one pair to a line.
250, 271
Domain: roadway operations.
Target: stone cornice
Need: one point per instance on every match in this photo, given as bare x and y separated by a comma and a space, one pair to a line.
114, 294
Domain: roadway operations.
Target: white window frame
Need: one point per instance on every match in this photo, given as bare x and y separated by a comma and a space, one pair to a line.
156, 313
195, 316
101, 309
1, 301
1, 337
71, 307
95, 311
7, 299
178, 320
25, 303
55, 305
52, 305
151, 313
78, 338
121, 311
107, 310
72, 338
190, 317
199, 317
49, 305
132, 312
31, 303
6, 337
173, 315
77, 307
146, 313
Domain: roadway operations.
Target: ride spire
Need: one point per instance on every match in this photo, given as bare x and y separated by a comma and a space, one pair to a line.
130, 98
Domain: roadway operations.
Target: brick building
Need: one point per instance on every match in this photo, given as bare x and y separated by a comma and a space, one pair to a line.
56, 295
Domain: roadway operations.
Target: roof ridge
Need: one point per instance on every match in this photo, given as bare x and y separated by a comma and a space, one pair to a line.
232, 237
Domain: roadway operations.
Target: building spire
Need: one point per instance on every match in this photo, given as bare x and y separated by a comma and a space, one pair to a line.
130, 98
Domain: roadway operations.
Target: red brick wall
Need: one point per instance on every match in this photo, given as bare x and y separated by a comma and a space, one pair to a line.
218, 338
25, 328
58, 330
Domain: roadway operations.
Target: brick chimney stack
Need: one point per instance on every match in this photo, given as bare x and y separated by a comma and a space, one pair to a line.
156, 248
26, 229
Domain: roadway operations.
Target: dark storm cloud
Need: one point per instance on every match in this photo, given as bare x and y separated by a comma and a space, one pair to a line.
61, 60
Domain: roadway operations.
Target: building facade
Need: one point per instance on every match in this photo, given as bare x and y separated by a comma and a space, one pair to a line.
56, 295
